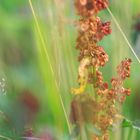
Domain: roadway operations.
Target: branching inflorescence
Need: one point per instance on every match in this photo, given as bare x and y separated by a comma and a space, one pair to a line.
99, 108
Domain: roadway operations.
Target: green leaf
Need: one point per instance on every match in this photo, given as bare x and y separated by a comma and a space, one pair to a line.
133, 124
127, 123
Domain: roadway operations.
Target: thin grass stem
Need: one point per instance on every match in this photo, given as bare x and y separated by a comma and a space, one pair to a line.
48, 58
130, 134
4, 137
123, 34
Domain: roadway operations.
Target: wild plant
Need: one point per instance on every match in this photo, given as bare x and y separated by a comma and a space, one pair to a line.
99, 108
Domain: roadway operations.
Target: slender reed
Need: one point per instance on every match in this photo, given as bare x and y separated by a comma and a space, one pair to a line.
48, 58
123, 34
5, 138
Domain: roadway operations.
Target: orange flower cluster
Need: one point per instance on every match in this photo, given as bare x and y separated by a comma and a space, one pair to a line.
88, 8
99, 108
118, 92
91, 30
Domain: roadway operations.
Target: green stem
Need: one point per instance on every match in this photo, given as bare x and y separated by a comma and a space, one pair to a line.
130, 134
94, 81
48, 58
83, 135
4, 137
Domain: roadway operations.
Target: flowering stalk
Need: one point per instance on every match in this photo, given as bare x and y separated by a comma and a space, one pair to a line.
100, 109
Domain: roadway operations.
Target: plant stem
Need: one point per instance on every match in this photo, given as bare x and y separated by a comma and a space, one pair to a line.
4, 137
123, 34
48, 58
83, 133
130, 134
94, 80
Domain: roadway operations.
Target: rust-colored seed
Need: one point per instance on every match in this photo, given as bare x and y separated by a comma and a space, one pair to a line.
83, 2
89, 5
84, 108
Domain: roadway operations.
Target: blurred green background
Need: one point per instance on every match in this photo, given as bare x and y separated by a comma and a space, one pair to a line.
40, 70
